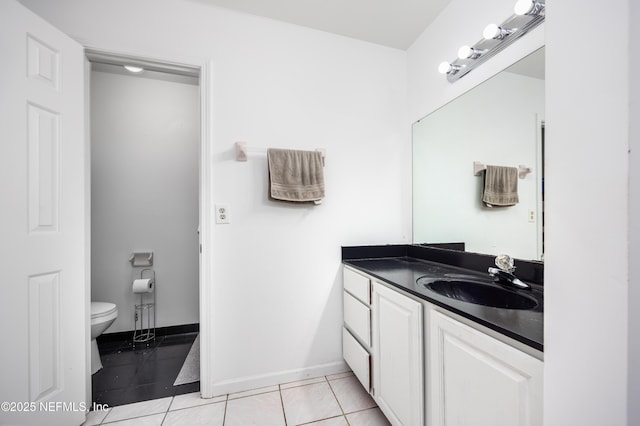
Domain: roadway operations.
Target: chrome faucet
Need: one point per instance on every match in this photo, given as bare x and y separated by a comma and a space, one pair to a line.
503, 274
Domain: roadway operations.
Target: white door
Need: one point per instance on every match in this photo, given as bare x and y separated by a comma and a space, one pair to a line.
397, 356
44, 301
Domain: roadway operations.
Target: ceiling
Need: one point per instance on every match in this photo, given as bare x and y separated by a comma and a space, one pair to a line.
393, 23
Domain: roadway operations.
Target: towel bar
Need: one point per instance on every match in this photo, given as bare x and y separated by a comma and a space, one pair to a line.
242, 150
523, 170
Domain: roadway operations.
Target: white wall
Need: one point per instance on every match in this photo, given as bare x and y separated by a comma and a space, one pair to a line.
633, 374
276, 286
587, 264
447, 203
145, 136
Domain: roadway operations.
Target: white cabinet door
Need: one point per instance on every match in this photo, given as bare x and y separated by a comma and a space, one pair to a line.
397, 356
478, 380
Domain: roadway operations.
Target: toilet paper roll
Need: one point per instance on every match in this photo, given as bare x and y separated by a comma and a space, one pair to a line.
143, 285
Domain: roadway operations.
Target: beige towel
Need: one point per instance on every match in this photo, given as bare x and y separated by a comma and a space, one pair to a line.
295, 175
500, 186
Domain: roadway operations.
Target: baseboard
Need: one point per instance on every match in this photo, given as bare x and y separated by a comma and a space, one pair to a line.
264, 380
122, 336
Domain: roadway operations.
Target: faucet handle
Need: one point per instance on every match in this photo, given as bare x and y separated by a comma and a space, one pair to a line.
505, 263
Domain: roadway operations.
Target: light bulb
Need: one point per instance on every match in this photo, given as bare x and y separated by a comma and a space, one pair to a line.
444, 67
523, 7
464, 52
491, 31
133, 69
494, 32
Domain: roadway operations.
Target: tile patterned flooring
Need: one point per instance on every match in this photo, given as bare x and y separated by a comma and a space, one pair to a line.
146, 371
335, 400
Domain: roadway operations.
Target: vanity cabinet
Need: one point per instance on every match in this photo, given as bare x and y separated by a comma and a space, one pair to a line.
397, 344
475, 379
426, 366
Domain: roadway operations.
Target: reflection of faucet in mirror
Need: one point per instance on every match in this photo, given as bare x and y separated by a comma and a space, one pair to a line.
503, 274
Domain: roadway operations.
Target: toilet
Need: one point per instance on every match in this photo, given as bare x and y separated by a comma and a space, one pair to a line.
103, 314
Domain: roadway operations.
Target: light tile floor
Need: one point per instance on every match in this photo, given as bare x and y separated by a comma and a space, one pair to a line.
336, 400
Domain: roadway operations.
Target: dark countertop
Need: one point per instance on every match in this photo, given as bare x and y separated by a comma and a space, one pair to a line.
402, 272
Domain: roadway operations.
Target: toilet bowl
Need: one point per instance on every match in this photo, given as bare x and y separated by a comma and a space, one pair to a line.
103, 314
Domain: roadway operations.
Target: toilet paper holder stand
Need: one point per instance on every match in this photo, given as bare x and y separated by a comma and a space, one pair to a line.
142, 334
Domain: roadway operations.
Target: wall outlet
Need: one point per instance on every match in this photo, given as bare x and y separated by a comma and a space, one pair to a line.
532, 216
223, 214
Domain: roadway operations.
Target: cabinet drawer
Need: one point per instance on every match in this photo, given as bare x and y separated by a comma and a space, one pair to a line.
357, 317
358, 285
357, 358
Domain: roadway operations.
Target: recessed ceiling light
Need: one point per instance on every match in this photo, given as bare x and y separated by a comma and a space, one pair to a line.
133, 69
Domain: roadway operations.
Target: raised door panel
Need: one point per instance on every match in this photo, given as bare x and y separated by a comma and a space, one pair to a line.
398, 386
44, 336
43, 63
43, 133
358, 285
479, 380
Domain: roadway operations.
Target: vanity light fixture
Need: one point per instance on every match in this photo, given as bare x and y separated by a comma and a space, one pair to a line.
133, 69
528, 15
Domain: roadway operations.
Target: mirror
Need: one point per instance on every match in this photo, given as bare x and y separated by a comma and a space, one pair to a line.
499, 122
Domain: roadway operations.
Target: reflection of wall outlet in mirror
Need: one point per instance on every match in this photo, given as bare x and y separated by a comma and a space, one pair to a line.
532, 216
222, 213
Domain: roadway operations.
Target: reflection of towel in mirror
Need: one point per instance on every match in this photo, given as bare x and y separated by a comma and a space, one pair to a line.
500, 186
295, 175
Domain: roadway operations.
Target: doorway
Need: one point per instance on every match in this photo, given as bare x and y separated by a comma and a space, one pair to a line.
145, 191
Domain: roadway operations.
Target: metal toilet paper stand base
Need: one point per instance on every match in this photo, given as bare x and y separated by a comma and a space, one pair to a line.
145, 315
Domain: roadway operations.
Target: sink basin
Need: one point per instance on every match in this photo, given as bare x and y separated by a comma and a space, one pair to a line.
479, 293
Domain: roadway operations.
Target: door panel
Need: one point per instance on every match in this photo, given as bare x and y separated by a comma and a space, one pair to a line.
44, 336
43, 133
43, 62
44, 304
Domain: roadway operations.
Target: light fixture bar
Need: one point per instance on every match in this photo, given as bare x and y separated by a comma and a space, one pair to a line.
529, 14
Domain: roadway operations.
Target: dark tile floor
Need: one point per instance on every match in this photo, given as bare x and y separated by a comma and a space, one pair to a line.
146, 371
